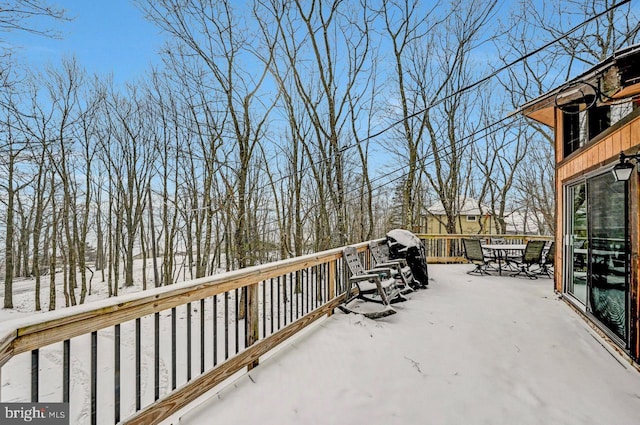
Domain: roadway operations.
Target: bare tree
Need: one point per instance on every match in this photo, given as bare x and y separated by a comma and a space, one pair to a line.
131, 157
63, 86
19, 15
407, 27
213, 32
449, 109
38, 127
14, 149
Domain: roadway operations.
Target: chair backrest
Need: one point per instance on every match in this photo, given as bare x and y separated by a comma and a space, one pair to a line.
473, 249
353, 260
379, 251
533, 252
550, 258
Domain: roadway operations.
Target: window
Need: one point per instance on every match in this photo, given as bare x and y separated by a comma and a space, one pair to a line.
472, 218
599, 120
571, 129
581, 126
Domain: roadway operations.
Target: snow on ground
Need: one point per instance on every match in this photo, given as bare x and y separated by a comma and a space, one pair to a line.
468, 350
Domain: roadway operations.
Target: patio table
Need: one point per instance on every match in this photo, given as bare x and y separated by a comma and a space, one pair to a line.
501, 251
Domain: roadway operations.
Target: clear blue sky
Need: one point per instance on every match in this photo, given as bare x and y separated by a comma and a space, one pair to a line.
105, 36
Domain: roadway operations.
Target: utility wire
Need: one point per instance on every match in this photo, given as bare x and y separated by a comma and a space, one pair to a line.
443, 99
465, 88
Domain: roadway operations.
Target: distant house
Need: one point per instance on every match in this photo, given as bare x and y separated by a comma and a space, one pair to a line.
471, 218
520, 223
596, 121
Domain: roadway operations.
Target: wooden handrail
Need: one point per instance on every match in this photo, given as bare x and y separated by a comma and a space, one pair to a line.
324, 268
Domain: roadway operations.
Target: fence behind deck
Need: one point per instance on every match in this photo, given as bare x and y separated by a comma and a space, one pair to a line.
449, 249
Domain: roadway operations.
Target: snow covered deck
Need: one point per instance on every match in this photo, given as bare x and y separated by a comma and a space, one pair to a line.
468, 350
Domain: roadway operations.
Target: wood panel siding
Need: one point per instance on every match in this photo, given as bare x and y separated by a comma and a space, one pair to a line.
600, 153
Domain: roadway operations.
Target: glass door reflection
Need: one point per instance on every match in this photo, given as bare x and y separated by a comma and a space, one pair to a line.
609, 262
578, 242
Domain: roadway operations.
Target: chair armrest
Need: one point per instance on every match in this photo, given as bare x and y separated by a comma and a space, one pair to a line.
361, 277
391, 263
379, 270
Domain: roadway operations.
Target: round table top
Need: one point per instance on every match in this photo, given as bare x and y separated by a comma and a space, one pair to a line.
516, 246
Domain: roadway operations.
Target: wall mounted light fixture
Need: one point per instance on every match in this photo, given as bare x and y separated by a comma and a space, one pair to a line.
623, 169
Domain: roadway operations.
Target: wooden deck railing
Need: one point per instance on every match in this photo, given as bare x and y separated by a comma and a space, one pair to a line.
142, 357
449, 249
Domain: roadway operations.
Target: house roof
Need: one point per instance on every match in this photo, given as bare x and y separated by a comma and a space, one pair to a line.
615, 78
466, 206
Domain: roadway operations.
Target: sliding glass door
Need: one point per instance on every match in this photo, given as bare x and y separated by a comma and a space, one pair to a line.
576, 224
597, 262
609, 262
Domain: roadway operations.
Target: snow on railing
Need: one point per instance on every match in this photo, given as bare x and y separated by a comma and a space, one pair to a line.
140, 358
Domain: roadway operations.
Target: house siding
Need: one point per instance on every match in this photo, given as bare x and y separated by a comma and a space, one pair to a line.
601, 154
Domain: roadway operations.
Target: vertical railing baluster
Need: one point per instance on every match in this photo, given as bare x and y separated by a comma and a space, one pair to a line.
174, 337
264, 309
226, 325
66, 370
237, 319
35, 374
116, 373
271, 302
279, 301
188, 342
320, 274
202, 335
156, 355
215, 330
303, 295
138, 373
309, 282
292, 296
314, 287
285, 299
327, 280
94, 378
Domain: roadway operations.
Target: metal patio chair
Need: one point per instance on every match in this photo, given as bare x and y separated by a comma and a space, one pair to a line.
474, 253
532, 256
548, 261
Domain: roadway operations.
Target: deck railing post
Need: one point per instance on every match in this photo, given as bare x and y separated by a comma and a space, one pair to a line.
253, 318
332, 282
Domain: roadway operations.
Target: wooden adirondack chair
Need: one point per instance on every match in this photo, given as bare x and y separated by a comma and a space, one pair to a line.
401, 270
376, 285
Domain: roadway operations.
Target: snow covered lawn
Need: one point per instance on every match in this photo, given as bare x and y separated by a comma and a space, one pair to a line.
468, 350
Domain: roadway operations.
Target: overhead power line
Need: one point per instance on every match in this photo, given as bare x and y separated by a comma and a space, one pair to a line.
437, 102
468, 87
